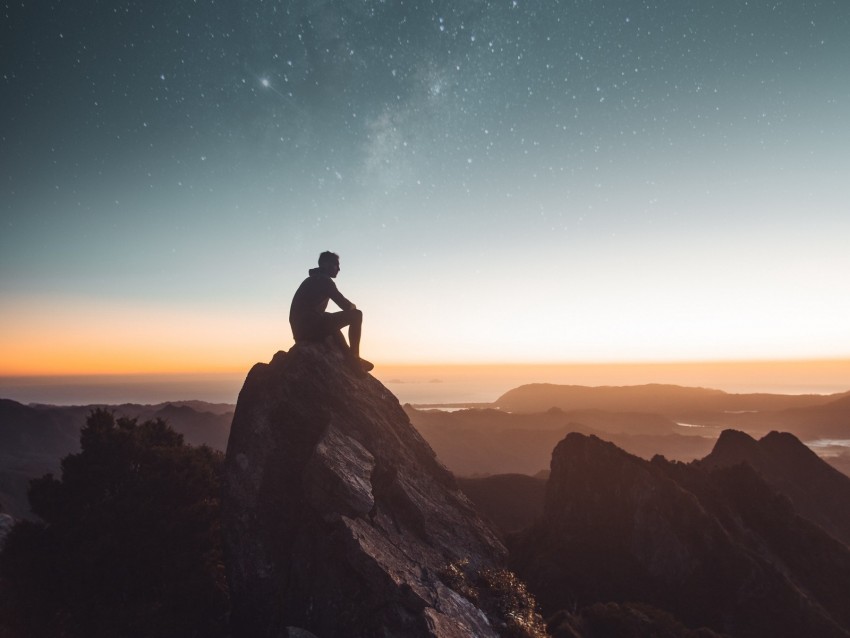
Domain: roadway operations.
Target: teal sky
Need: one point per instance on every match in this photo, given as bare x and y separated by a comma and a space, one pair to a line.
505, 181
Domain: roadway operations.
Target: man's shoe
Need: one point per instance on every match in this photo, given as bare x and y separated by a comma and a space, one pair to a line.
366, 366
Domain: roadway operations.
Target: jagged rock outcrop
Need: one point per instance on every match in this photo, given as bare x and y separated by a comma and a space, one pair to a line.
716, 549
817, 490
337, 517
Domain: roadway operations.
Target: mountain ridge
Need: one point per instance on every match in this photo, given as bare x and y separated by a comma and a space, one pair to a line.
666, 399
818, 491
717, 548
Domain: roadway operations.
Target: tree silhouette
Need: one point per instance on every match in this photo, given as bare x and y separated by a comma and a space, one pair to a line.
128, 543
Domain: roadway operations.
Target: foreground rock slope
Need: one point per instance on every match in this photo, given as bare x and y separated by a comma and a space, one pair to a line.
338, 518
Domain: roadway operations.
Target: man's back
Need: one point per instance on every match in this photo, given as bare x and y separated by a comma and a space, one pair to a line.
312, 296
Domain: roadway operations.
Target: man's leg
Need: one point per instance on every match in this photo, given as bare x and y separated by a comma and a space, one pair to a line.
351, 318
354, 332
354, 320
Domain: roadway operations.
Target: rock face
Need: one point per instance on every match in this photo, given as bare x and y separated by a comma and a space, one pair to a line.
817, 490
717, 549
337, 517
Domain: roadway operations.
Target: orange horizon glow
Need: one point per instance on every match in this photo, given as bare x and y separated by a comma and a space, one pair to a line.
49, 337
72, 337
138, 355
93, 354
712, 374
150, 351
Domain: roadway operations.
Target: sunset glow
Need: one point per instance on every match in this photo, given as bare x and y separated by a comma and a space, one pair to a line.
506, 183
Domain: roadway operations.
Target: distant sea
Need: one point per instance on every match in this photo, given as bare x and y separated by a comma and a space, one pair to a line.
122, 388
432, 384
220, 388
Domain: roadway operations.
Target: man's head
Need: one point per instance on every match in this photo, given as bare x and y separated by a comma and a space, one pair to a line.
329, 263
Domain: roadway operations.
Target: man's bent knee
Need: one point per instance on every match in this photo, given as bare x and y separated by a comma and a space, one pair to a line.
351, 317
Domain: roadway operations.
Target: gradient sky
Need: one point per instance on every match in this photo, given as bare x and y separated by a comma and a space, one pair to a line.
526, 181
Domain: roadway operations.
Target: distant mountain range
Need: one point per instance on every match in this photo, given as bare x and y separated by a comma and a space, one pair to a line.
823, 420
675, 402
487, 441
516, 434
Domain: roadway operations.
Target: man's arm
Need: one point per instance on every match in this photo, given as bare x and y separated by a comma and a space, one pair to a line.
338, 299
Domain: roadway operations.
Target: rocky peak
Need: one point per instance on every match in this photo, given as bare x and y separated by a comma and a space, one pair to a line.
716, 548
599, 495
818, 491
338, 518
787, 448
733, 447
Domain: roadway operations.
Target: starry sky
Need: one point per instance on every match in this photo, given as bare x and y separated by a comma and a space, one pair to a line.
511, 181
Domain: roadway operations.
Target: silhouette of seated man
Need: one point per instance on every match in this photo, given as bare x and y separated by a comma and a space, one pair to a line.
308, 314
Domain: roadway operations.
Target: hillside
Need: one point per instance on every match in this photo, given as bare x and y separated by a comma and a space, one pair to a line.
818, 491
477, 442
674, 402
716, 548
678, 423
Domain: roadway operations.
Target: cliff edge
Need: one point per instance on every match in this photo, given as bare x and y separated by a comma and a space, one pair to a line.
337, 517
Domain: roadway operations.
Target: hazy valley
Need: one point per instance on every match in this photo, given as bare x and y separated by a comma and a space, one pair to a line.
515, 434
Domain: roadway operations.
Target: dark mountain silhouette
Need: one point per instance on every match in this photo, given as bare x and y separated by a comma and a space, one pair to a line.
719, 549
338, 518
818, 491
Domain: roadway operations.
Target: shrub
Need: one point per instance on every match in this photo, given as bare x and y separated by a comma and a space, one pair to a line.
128, 543
501, 595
